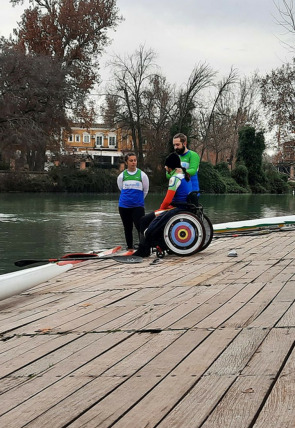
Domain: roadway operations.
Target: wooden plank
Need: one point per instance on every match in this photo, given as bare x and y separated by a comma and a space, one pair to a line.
153, 315
244, 398
230, 307
111, 407
280, 304
235, 357
212, 299
194, 408
12, 344
269, 357
21, 344
184, 316
240, 404
63, 312
160, 400
50, 369
279, 408
18, 304
101, 319
66, 302
28, 412
212, 271
138, 349
288, 319
45, 347
255, 306
69, 397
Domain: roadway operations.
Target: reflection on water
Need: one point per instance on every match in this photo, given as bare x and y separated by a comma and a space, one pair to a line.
50, 225
224, 208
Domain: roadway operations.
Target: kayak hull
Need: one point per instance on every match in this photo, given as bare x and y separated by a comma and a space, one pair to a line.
16, 282
261, 223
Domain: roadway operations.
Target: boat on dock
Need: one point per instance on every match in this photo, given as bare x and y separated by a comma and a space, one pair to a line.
16, 282
268, 223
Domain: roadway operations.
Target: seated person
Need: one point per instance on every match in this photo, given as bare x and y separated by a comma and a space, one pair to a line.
178, 189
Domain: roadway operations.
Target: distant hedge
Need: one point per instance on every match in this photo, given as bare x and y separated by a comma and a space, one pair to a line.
61, 180
213, 179
90, 180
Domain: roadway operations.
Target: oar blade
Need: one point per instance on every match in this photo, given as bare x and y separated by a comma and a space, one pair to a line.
120, 259
27, 262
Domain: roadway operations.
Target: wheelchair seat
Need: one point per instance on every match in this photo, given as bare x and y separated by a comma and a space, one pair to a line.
193, 198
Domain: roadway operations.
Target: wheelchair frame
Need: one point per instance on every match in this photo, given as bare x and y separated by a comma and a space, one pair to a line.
194, 234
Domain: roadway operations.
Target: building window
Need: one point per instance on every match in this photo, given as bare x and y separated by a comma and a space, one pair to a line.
98, 140
71, 138
77, 138
86, 138
112, 141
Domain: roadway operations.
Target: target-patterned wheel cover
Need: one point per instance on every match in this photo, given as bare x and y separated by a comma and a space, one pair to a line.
184, 234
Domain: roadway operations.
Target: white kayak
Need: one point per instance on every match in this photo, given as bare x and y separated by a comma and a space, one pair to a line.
256, 224
16, 282
19, 281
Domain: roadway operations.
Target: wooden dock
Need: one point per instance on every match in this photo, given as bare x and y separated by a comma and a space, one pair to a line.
203, 341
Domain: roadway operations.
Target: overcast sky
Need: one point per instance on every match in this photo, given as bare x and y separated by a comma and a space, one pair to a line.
223, 33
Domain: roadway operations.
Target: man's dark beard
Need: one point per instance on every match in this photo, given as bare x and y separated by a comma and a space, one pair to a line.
180, 151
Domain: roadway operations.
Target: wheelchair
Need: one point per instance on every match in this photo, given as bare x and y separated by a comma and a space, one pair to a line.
187, 230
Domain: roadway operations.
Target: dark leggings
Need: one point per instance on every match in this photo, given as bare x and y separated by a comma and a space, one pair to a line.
146, 221
129, 217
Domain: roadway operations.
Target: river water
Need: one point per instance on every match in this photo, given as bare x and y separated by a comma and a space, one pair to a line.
50, 225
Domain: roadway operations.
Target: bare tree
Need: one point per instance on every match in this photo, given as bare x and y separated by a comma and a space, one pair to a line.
243, 106
130, 82
159, 100
187, 98
209, 120
286, 20
235, 103
277, 94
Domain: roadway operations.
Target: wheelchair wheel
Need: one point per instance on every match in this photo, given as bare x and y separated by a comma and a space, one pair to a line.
208, 232
184, 234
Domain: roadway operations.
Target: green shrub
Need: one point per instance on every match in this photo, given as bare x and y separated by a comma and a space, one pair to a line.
61, 179
25, 182
223, 169
277, 185
258, 188
210, 180
4, 166
88, 180
233, 187
240, 175
276, 182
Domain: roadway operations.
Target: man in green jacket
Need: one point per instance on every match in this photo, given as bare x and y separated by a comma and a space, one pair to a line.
188, 158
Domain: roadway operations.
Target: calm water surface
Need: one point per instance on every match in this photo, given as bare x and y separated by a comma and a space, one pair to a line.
50, 225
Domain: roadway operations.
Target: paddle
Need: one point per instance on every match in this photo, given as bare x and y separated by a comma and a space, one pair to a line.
120, 259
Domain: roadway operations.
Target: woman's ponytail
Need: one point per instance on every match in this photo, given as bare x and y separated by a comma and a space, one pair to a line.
186, 174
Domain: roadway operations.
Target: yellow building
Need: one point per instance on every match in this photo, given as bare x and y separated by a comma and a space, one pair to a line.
102, 144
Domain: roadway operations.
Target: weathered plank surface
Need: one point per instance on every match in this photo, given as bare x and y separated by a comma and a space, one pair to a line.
204, 341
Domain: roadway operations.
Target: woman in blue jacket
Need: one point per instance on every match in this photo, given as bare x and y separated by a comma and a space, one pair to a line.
134, 186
